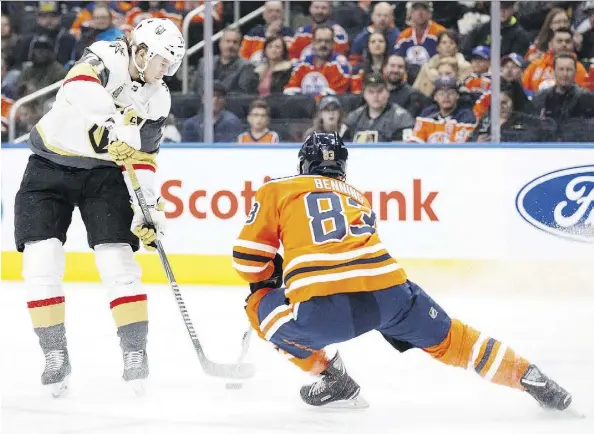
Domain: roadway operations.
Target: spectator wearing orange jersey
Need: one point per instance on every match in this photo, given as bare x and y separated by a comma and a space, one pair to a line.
258, 118
6, 105
148, 9
252, 45
540, 74
186, 6
323, 72
479, 81
444, 122
319, 12
557, 18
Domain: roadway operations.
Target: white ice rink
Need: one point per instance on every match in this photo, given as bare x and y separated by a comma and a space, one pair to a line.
408, 393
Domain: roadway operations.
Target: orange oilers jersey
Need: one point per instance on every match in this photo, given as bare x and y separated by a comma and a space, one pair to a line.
433, 128
482, 105
539, 75
333, 77
252, 44
268, 137
6, 105
136, 15
185, 6
327, 230
476, 83
301, 46
85, 17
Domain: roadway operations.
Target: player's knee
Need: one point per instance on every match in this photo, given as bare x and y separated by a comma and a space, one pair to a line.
43, 264
116, 264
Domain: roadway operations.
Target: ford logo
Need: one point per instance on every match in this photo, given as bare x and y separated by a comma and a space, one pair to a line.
561, 203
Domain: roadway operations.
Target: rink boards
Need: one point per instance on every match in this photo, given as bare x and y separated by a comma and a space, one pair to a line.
458, 208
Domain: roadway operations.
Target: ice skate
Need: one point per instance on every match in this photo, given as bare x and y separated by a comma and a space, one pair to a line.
136, 370
335, 389
546, 392
57, 371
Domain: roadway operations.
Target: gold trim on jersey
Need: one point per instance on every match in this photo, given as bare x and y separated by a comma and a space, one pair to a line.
53, 148
82, 69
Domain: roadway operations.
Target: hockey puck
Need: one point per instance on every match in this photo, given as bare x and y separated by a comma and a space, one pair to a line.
233, 386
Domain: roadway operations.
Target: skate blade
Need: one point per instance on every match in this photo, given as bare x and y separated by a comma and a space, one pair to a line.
61, 389
138, 387
574, 412
356, 403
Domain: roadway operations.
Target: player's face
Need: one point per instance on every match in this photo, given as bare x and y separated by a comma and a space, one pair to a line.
157, 68
258, 119
376, 44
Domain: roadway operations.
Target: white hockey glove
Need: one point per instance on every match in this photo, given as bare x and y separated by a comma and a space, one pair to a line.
148, 234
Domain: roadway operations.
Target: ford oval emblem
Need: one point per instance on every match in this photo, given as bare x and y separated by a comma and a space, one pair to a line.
561, 203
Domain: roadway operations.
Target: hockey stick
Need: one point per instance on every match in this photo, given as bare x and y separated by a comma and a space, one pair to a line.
238, 370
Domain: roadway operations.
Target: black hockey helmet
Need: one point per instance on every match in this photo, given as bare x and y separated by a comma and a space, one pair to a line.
323, 154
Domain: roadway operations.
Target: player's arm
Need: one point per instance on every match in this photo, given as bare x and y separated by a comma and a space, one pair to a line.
255, 250
84, 88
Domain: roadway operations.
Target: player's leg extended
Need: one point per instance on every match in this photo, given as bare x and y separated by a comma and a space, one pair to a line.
300, 332
43, 212
454, 343
107, 214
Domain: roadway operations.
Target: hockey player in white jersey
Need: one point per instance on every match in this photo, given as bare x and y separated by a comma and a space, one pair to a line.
110, 110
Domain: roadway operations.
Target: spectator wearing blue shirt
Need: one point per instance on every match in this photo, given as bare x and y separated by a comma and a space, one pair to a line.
382, 20
227, 126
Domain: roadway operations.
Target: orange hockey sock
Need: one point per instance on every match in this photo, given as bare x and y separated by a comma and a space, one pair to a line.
467, 348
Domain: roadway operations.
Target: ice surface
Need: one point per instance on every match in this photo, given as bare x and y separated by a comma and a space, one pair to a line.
408, 393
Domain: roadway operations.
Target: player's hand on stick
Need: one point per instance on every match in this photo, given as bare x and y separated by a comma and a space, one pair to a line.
148, 233
122, 153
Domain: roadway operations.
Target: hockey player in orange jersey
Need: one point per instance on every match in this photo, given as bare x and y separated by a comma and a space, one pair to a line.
341, 283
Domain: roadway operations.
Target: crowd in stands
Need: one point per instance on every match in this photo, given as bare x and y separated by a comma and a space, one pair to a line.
414, 71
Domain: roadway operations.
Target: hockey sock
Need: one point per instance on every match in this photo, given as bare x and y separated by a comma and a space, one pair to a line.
314, 364
468, 348
48, 322
131, 318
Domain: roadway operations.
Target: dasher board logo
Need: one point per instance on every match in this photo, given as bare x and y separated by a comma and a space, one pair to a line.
561, 203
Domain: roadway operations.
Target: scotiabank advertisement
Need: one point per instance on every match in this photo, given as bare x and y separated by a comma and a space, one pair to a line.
450, 203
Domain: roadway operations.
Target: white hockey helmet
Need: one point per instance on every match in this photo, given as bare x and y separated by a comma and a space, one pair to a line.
161, 36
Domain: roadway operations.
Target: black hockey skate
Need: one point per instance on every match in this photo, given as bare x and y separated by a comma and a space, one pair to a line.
57, 372
548, 393
136, 369
334, 389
